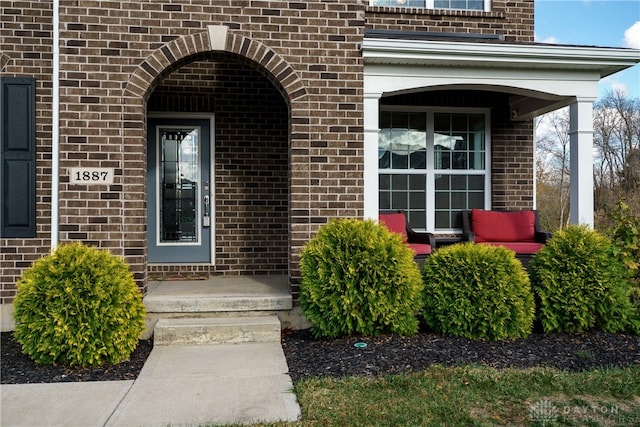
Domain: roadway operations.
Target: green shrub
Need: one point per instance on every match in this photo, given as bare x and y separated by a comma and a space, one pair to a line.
580, 284
78, 306
359, 278
626, 237
477, 291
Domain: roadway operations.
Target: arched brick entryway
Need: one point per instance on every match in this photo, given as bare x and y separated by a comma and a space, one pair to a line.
216, 42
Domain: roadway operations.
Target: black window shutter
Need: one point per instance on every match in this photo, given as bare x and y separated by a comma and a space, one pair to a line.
17, 157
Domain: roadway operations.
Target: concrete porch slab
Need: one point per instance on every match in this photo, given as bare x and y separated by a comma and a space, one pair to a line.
220, 294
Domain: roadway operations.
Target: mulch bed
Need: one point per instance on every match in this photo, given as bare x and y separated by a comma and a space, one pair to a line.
18, 368
390, 354
385, 354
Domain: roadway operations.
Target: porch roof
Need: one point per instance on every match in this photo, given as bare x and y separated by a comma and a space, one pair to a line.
539, 77
494, 53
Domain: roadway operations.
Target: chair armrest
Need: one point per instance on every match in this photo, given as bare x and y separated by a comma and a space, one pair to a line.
542, 236
422, 238
467, 234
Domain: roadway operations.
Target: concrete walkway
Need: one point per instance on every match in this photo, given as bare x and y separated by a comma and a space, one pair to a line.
178, 386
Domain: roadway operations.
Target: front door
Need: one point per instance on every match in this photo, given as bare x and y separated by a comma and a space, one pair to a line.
179, 191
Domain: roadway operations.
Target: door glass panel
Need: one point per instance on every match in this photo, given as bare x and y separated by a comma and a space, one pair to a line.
179, 192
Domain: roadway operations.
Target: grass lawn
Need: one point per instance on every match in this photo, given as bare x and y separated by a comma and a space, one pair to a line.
474, 396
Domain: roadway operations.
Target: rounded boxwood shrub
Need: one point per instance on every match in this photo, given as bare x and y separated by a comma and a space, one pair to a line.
78, 306
359, 278
477, 291
579, 284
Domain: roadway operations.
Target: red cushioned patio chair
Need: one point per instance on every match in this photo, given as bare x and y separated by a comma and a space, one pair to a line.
421, 243
517, 230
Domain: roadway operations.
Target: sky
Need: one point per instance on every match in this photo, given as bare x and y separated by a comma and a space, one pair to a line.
606, 23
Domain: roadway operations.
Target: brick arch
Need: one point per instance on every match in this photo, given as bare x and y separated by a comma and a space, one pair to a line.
167, 57
139, 87
280, 73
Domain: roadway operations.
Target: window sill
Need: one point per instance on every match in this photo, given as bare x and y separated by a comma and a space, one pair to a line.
433, 12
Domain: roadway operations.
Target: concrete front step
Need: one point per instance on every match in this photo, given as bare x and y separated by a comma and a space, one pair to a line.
234, 294
217, 330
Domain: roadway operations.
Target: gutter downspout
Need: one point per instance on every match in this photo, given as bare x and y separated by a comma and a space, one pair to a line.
55, 128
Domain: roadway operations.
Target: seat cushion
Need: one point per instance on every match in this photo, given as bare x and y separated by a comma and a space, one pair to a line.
518, 247
494, 226
420, 248
395, 222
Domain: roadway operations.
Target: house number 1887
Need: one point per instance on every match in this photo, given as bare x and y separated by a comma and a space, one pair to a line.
91, 176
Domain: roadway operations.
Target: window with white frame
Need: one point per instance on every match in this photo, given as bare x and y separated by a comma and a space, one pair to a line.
437, 4
433, 164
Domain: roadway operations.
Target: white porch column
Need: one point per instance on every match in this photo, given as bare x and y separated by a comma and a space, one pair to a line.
581, 161
371, 130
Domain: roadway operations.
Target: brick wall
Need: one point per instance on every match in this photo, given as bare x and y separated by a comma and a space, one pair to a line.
511, 163
514, 20
113, 54
25, 51
117, 55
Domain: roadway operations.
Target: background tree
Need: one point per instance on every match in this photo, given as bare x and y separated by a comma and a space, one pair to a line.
552, 166
617, 164
616, 170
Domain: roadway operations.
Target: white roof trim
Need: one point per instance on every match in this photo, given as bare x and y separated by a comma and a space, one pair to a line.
604, 61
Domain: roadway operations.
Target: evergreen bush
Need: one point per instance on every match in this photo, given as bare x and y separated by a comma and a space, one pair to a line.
359, 278
477, 291
626, 237
78, 306
580, 284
